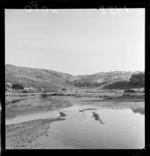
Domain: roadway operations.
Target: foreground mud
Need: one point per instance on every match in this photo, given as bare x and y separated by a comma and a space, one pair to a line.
21, 136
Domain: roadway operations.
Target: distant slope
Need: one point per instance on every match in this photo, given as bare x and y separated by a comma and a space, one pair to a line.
102, 79
137, 80
37, 78
53, 80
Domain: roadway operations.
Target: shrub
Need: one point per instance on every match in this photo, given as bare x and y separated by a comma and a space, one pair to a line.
44, 96
17, 86
138, 79
24, 91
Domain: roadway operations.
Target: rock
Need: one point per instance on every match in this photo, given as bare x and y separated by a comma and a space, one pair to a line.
80, 110
62, 114
96, 116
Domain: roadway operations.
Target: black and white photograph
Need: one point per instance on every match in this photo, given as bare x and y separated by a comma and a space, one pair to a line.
75, 78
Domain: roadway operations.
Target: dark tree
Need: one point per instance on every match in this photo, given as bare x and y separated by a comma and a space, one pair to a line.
138, 79
17, 86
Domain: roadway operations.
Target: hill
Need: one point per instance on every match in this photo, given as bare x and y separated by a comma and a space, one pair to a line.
135, 81
102, 78
50, 80
37, 78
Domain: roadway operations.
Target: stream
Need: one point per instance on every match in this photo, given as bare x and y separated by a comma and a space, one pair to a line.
121, 128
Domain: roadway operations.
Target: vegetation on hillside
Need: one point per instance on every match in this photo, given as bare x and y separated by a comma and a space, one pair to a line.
37, 78
136, 81
18, 78
88, 84
101, 78
17, 86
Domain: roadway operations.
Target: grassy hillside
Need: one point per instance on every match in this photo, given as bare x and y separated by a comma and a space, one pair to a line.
37, 78
52, 80
135, 81
102, 78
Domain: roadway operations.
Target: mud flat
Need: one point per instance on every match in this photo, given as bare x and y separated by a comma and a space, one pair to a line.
21, 136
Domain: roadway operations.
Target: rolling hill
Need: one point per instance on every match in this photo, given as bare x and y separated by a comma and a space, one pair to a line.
37, 78
102, 78
53, 80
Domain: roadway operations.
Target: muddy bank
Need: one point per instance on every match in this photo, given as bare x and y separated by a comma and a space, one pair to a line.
21, 136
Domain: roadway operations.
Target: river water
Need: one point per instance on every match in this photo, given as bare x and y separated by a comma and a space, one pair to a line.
121, 128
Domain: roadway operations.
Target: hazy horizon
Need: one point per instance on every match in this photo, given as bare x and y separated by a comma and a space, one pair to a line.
76, 41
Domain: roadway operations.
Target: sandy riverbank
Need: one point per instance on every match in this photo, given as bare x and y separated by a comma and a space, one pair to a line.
20, 136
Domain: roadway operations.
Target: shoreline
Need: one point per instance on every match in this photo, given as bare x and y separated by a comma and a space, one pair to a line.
21, 135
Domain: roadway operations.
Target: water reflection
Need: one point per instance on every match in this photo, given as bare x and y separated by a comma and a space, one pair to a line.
122, 128
139, 110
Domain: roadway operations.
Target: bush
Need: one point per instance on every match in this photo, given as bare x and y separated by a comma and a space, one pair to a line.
24, 91
17, 86
44, 96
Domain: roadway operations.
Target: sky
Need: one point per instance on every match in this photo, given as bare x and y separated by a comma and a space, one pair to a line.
76, 41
